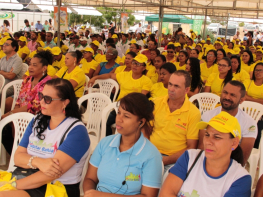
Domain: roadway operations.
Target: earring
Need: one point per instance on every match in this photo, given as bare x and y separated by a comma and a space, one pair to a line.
74, 63
64, 111
232, 149
43, 73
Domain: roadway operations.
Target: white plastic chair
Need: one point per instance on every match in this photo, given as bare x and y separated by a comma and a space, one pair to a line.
24, 68
166, 174
105, 114
207, 101
96, 103
255, 110
84, 171
2, 82
17, 86
20, 121
106, 87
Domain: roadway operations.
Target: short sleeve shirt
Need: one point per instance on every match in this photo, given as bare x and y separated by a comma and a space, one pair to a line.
243, 77
24, 50
77, 75
255, 91
86, 66
178, 67
205, 71
59, 64
158, 90
172, 130
139, 166
248, 125
129, 85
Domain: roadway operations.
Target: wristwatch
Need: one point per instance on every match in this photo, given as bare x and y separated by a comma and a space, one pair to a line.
13, 184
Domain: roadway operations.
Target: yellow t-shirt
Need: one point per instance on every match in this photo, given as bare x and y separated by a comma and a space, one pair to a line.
129, 85
51, 71
178, 67
98, 57
117, 60
120, 69
200, 55
2, 54
172, 61
31, 55
243, 77
59, 64
205, 72
253, 65
215, 83
151, 73
25, 50
123, 59
172, 130
246, 67
158, 90
193, 36
77, 75
255, 91
86, 66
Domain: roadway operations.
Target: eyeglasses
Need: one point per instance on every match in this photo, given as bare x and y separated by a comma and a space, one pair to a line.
222, 65
109, 53
137, 64
259, 70
210, 55
170, 52
6, 44
47, 99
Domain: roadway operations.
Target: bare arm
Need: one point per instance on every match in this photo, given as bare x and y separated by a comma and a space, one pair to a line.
23, 56
91, 181
247, 145
97, 71
171, 186
189, 94
249, 98
104, 76
90, 74
207, 89
259, 188
191, 144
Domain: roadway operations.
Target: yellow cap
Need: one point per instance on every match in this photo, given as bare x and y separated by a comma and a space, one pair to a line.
238, 40
41, 43
89, 50
141, 58
208, 39
23, 38
199, 45
241, 42
133, 42
2, 41
252, 47
170, 43
224, 123
260, 50
259, 47
48, 49
122, 32
96, 43
55, 39
190, 47
56, 51
218, 38
230, 51
150, 33
242, 47
191, 30
6, 34
66, 31
205, 45
221, 43
69, 33
114, 36
203, 41
177, 44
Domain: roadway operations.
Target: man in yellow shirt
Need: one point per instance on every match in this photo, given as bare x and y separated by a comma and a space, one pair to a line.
59, 58
175, 119
23, 51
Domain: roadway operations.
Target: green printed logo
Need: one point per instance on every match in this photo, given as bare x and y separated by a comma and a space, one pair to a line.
133, 177
252, 128
194, 194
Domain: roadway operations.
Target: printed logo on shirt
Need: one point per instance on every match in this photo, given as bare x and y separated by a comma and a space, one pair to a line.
133, 177
186, 194
252, 128
43, 148
180, 124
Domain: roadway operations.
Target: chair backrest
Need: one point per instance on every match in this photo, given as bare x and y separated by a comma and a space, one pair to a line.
17, 86
24, 68
2, 82
206, 101
253, 109
105, 114
86, 83
106, 87
20, 121
96, 103
84, 171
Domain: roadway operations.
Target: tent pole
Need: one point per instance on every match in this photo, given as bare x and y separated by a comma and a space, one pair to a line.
160, 23
58, 34
226, 25
205, 24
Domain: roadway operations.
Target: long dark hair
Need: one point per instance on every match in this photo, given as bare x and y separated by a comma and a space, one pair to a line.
237, 154
195, 73
64, 91
223, 51
253, 76
229, 74
6, 22
139, 105
239, 62
250, 61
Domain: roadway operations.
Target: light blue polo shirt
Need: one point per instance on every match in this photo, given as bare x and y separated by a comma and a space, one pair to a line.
140, 165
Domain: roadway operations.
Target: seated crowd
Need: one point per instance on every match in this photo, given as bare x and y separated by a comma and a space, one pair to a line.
158, 130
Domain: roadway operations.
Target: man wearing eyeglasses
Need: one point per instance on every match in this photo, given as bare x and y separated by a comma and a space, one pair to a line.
11, 64
152, 45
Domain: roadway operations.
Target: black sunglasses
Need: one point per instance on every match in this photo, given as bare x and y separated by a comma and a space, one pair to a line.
47, 99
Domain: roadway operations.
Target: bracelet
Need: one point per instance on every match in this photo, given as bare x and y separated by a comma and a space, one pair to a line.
30, 162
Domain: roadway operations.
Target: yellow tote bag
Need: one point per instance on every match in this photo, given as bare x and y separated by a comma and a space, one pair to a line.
5, 182
56, 190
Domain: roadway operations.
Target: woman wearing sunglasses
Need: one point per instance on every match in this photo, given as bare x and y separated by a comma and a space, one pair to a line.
73, 72
108, 67
134, 81
44, 146
171, 57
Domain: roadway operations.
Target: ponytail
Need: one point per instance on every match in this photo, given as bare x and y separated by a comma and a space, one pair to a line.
237, 155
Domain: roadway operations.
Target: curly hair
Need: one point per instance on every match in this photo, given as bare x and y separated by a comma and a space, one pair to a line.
195, 71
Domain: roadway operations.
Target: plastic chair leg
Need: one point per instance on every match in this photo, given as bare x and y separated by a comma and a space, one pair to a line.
3, 156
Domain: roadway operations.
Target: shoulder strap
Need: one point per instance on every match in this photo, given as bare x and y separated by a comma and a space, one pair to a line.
63, 137
196, 159
64, 74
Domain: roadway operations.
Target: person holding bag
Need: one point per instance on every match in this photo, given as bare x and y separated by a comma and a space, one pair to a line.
54, 146
217, 171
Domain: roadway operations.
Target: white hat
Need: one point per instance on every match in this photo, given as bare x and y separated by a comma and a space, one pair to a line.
83, 39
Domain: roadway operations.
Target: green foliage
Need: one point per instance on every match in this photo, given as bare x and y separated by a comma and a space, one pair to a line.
242, 24
211, 35
51, 14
